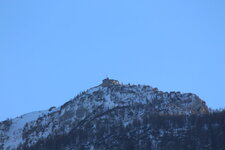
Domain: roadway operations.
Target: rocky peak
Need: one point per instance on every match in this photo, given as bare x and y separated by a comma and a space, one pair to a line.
102, 101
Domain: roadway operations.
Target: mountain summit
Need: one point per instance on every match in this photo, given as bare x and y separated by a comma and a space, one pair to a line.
94, 118
109, 82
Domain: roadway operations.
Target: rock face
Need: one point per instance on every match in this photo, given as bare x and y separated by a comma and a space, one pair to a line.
107, 106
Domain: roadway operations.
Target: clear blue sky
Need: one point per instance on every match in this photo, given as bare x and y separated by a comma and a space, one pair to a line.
51, 50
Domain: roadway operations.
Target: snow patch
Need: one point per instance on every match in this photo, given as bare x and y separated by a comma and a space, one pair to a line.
16, 129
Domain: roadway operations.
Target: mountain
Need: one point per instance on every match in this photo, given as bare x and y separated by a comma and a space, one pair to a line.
119, 116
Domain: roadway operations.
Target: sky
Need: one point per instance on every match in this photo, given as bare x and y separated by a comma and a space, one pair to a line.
52, 50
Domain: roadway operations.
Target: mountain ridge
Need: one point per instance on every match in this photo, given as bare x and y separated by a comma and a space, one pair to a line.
105, 98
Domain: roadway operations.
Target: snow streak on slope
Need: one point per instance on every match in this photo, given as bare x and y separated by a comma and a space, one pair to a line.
14, 133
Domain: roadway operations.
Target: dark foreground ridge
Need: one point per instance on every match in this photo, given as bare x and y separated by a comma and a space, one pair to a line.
119, 116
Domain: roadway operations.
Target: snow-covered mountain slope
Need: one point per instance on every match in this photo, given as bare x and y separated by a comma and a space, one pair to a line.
11, 130
93, 103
